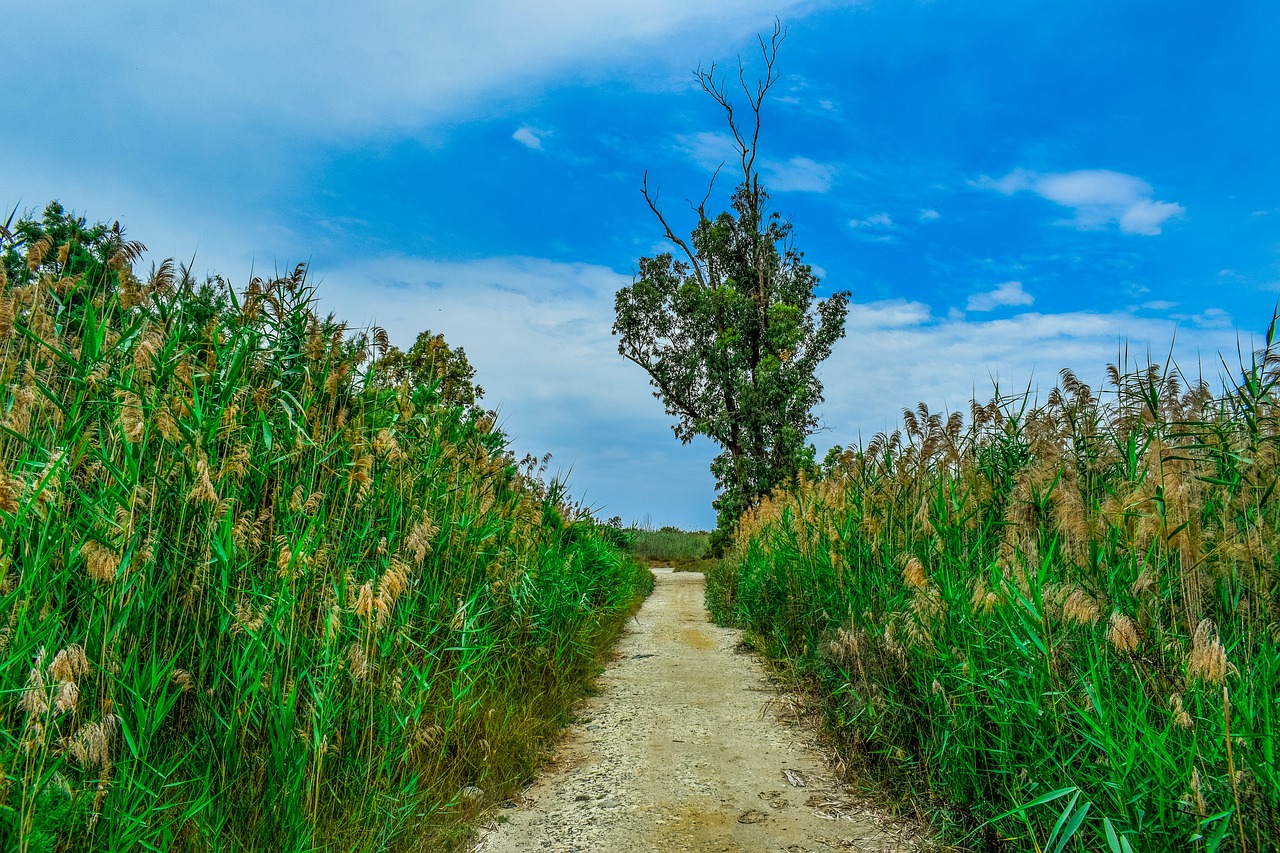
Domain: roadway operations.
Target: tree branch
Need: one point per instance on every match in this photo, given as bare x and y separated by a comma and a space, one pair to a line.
671, 398
671, 235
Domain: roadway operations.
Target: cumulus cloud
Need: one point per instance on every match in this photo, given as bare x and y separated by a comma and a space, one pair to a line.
529, 137
1009, 293
929, 215
1098, 198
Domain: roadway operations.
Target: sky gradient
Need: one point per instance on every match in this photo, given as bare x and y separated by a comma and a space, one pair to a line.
1007, 189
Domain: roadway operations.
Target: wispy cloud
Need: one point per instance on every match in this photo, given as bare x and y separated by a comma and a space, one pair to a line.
530, 137
403, 63
798, 175
929, 215
1097, 196
1209, 318
880, 220
711, 149
1009, 293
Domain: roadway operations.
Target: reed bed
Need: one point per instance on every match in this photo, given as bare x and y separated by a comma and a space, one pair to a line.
1054, 626
250, 599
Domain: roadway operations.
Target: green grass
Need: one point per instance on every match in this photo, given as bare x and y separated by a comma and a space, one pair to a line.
1054, 628
250, 600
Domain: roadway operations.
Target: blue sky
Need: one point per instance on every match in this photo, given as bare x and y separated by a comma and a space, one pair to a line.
1006, 188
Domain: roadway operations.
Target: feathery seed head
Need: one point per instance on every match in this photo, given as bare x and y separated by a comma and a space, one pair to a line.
1123, 633
364, 602
202, 491
92, 744
37, 251
1208, 658
35, 699
359, 661
68, 697
1080, 608
1181, 718
102, 563
69, 664
131, 419
913, 573
419, 539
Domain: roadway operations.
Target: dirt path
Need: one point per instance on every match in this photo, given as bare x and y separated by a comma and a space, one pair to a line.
682, 751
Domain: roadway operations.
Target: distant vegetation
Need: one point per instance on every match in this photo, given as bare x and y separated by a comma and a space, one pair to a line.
670, 546
255, 592
1056, 625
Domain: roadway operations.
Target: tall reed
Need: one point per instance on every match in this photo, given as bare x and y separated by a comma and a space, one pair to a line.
250, 600
1056, 624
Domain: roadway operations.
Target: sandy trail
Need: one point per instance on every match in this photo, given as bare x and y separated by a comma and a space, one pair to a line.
682, 750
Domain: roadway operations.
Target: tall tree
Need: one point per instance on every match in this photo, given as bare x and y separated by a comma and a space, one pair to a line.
729, 328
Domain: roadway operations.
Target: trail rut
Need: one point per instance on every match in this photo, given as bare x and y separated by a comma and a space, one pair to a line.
682, 750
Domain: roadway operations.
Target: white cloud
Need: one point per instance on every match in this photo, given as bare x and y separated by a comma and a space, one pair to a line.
711, 149
538, 334
529, 137
1146, 217
1009, 293
1098, 197
799, 174
929, 215
898, 353
397, 64
708, 149
875, 220
1215, 318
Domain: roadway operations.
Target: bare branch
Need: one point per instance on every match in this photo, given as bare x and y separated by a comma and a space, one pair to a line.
701, 209
652, 201
719, 92
756, 101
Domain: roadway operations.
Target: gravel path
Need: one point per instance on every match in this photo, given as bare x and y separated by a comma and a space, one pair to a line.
682, 750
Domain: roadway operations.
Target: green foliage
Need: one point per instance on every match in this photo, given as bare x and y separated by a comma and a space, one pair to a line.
1057, 624
250, 599
730, 332
669, 546
61, 244
430, 363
